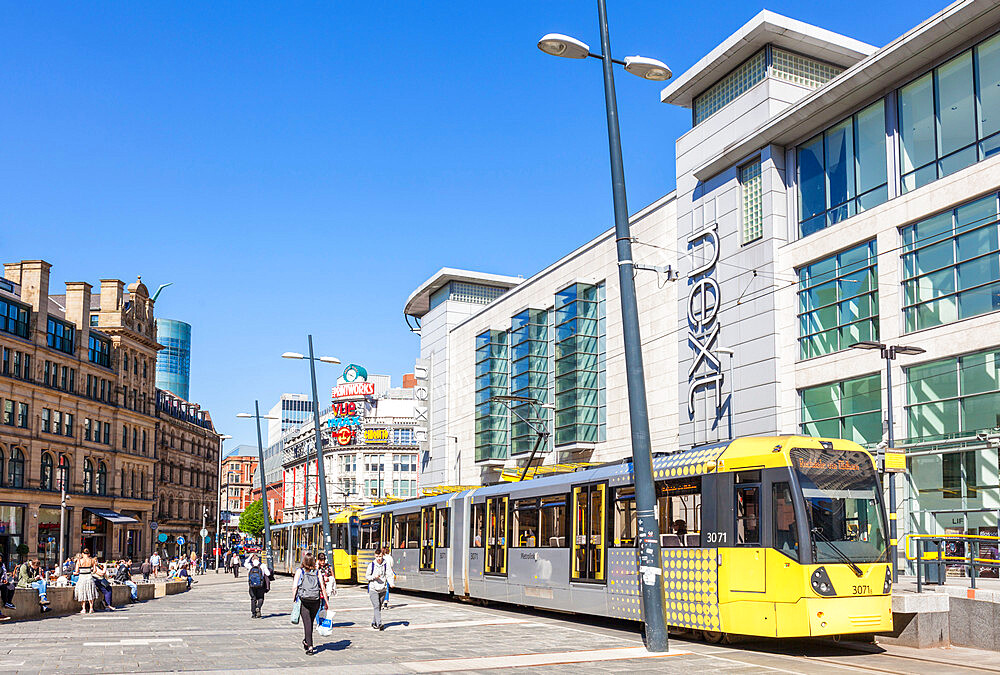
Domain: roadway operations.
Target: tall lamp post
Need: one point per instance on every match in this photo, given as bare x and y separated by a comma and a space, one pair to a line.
323, 503
263, 482
218, 511
888, 354
642, 461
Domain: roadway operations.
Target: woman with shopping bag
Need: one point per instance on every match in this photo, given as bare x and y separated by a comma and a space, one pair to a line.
324, 620
307, 593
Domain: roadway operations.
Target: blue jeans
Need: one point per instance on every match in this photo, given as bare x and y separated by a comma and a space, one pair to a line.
135, 589
40, 586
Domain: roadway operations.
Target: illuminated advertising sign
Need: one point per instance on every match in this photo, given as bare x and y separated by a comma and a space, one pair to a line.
376, 436
344, 435
353, 390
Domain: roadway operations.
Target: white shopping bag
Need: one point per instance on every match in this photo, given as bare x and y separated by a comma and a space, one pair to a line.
324, 622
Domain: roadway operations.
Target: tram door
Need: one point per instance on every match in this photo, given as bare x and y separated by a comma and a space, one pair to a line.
496, 535
427, 538
588, 532
385, 531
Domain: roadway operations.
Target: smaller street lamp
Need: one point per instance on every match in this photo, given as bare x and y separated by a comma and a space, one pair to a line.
888, 354
263, 483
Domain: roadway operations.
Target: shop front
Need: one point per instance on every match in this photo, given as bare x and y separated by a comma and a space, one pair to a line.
956, 491
130, 537
11, 532
47, 547
96, 530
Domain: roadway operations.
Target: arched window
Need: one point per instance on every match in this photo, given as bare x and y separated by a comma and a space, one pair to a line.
46, 482
102, 478
62, 477
88, 476
15, 469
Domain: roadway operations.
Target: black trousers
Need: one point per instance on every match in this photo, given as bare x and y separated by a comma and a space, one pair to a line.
310, 608
236, 571
6, 594
105, 588
256, 600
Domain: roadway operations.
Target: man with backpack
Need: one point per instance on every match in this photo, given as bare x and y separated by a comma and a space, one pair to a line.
259, 583
377, 576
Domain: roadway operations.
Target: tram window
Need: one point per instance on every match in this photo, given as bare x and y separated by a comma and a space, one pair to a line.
412, 530
443, 527
747, 514
399, 532
625, 518
478, 518
748, 476
786, 537
553, 522
679, 506
526, 523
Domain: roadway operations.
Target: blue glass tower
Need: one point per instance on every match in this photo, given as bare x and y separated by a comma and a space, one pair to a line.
173, 363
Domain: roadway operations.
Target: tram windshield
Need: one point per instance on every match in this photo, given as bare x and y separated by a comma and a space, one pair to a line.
841, 492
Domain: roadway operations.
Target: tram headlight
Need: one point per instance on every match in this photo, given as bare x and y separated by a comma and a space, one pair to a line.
821, 583
887, 585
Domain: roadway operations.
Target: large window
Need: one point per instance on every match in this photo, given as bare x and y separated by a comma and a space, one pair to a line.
752, 199
740, 80
100, 351
14, 318
625, 525
61, 335
842, 171
953, 397
838, 301
579, 364
46, 475
15, 468
88, 476
950, 117
851, 409
529, 373
951, 265
525, 518
492, 422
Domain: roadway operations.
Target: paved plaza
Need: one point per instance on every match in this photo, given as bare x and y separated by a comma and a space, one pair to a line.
209, 629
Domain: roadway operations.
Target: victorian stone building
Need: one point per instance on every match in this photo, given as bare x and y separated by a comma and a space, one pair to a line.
187, 448
77, 413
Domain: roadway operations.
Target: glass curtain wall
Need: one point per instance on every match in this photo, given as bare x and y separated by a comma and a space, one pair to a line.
951, 265
492, 417
842, 171
950, 117
851, 409
953, 397
579, 364
838, 301
529, 351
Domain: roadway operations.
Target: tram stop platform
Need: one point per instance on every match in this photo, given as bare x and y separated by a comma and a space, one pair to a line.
950, 614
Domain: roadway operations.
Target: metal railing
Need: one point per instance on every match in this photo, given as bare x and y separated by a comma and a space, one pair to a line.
931, 552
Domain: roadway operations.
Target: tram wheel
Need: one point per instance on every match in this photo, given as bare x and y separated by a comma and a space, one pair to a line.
713, 636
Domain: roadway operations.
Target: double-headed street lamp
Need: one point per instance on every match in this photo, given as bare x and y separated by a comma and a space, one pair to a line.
263, 482
642, 461
323, 504
888, 353
218, 511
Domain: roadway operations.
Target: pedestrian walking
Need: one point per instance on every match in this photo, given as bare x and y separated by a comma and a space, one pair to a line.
235, 563
258, 582
86, 590
390, 579
154, 560
377, 576
146, 569
308, 589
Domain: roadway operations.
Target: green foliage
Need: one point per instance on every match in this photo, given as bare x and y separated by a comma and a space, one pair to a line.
252, 519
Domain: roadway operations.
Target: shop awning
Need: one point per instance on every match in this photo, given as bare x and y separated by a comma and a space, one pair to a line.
111, 516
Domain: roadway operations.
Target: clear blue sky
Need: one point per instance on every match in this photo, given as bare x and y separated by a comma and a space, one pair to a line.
302, 167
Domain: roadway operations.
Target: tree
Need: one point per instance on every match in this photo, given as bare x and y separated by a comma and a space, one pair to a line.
252, 519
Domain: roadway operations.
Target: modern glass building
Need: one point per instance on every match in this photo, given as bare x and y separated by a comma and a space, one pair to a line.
173, 363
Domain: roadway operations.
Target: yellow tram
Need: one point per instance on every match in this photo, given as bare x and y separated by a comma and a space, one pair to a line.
290, 541
763, 536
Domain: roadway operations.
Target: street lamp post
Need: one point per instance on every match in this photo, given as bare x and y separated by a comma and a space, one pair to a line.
888, 354
323, 503
218, 511
263, 482
650, 569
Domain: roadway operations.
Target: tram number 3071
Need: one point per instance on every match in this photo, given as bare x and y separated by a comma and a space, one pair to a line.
862, 589
715, 537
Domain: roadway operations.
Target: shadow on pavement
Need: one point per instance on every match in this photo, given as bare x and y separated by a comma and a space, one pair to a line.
337, 646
